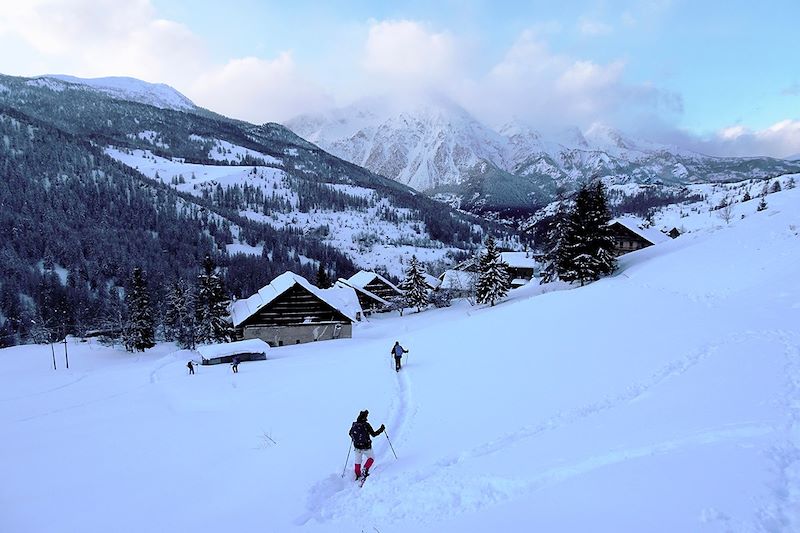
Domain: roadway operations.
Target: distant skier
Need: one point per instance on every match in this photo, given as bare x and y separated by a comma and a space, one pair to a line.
398, 352
361, 432
190, 366
235, 365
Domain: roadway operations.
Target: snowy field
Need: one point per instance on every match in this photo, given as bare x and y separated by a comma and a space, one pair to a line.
665, 398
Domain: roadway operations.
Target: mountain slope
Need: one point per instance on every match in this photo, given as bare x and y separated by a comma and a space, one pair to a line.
123, 88
437, 147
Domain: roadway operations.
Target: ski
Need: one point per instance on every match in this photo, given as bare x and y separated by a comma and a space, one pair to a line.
362, 480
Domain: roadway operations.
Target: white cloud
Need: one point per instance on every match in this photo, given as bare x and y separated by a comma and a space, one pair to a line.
547, 89
407, 52
258, 90
593, 28
93, 38
781, 139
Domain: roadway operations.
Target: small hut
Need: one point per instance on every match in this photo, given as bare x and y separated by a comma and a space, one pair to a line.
248, 350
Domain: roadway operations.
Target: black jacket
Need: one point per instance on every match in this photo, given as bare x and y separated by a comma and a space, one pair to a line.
360, 432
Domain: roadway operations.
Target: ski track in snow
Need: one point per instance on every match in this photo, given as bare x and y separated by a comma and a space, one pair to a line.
324, 497
783, 513
441, 491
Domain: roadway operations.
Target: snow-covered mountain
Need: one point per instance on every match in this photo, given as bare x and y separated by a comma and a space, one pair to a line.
436, 146
123, 88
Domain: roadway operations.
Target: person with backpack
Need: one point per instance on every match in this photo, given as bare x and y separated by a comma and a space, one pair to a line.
398, 352
361, 432
190, 366
235, 365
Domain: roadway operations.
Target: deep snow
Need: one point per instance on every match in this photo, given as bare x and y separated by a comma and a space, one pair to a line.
665, 398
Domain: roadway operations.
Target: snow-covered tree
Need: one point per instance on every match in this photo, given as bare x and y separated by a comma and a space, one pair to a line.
762, 205
212, 320
414, 287
179, 315
555, 242
588, 245
776, 186
746, 197
791, 183
140, 326
493, 282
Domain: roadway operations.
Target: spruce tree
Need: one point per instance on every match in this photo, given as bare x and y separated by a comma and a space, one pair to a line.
555, 244
414, 287
587, 251
323, 281
140, 326
776, 186
762, 205
791, 183
493, 282
212, 324
179, 315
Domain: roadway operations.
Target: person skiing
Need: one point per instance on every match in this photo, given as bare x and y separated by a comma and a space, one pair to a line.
361, 432
235, 365
190, 366
398, 352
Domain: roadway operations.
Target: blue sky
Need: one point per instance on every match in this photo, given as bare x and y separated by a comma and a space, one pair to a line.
721, 73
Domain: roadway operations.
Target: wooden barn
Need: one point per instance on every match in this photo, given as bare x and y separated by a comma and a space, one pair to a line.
369, 302
374, 283
629, 237
249, 350
290, 310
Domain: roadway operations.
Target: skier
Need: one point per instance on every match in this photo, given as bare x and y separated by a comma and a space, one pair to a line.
190, 366
235, 365
398, 352
361, 432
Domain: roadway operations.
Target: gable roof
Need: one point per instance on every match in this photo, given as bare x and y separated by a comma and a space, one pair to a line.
243, 309
651, 235
346, 298
362, 290
458, 279
432, 281
362, 278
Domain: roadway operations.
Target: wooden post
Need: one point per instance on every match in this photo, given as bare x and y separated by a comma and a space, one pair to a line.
66, 356
54, 356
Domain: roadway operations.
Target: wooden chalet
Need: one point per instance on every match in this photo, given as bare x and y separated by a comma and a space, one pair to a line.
290, 310
374, 283
367, 300
247, 350
629, 237
522, 267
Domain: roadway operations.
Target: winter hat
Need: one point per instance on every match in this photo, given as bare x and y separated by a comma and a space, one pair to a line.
362, 416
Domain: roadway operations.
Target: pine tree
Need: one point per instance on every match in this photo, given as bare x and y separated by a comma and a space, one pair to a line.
323, 281
179, 315
493, 282
762, 205
212, 322
746, 197
140, 326
791, 183
555, 244
776, 186
414, 287
588, 245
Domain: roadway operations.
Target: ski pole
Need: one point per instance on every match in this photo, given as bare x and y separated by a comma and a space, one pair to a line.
390, 443
348, 458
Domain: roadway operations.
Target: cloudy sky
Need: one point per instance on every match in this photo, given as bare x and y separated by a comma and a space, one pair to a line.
722, 77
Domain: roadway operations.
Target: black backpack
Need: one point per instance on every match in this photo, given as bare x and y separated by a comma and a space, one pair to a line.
360, 435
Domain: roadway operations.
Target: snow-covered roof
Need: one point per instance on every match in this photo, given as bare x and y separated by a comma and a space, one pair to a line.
518, 259
432, 281
362, 278
212, 351
362, 290
346, 298
243, 309
457, 279
651, 234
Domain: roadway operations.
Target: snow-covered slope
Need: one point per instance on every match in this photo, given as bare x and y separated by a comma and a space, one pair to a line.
123, 88
662, 399
435, 146
424, 145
